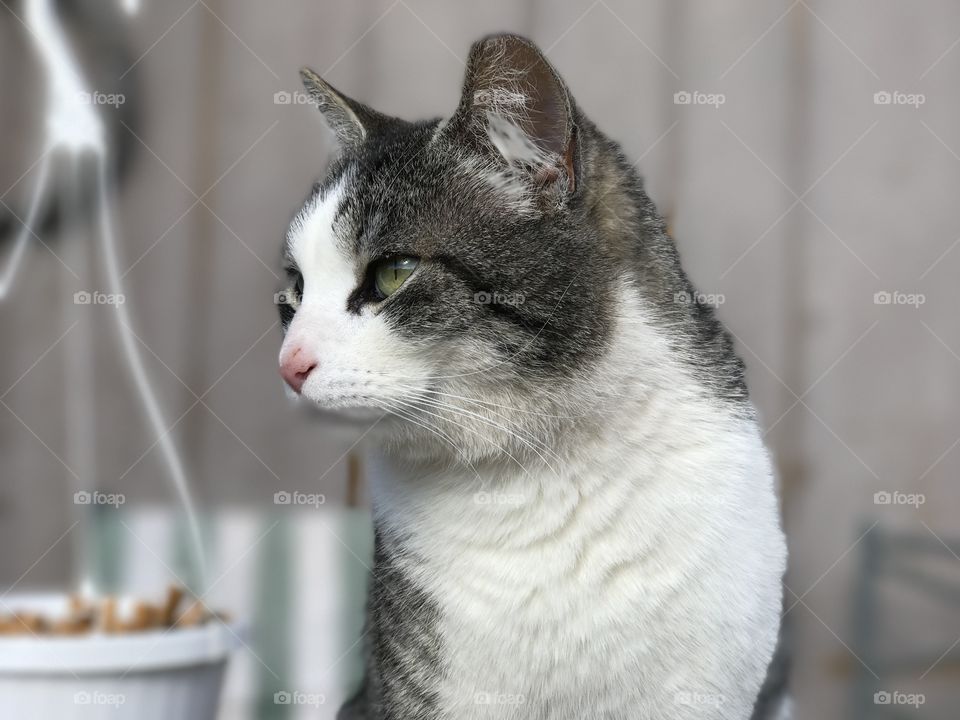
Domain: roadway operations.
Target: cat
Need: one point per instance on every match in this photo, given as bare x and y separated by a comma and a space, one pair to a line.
575, 514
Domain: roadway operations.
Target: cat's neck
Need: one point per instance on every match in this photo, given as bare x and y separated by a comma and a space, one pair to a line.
656, 440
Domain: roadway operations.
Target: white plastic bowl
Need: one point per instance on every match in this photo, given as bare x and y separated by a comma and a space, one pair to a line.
154, 675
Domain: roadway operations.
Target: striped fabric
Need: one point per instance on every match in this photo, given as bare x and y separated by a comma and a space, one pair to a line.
295, 579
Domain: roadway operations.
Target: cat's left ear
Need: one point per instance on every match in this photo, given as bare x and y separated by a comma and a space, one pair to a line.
516, 104
351, 121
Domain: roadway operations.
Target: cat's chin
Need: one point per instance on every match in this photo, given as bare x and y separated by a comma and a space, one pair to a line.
347, 415
355, 415
341, 411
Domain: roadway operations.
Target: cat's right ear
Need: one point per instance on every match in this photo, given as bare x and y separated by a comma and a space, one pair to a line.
515, 106
350, 121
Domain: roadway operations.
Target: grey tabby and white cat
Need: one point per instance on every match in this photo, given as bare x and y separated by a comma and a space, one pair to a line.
575, 513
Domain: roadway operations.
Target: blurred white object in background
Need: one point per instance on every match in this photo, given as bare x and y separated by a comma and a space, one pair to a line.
72, 122
153, 675
296, 575
74, 129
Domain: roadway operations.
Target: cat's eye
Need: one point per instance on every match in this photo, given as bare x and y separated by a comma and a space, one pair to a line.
390, 273
288, 299
294, 293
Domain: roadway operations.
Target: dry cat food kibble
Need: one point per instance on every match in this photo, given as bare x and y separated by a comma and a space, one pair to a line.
84, 615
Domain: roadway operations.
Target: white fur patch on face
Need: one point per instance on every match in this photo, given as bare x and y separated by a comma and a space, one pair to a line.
360, 359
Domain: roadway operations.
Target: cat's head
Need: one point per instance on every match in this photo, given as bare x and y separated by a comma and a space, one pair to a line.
459, 275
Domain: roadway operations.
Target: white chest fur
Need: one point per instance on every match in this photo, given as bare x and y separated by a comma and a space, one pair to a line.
639, 579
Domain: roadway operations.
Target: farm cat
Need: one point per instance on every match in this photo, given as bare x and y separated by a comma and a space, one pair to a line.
575, 513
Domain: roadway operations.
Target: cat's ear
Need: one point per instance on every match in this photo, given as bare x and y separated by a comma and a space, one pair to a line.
515, 103
351, 121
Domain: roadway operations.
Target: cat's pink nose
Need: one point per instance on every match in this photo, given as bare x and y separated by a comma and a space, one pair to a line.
296, 366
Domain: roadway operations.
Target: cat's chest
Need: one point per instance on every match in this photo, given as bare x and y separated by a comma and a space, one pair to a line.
600, 592
577, 603
599, 645
519, 651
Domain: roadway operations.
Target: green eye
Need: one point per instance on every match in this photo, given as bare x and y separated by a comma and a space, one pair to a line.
390, 274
